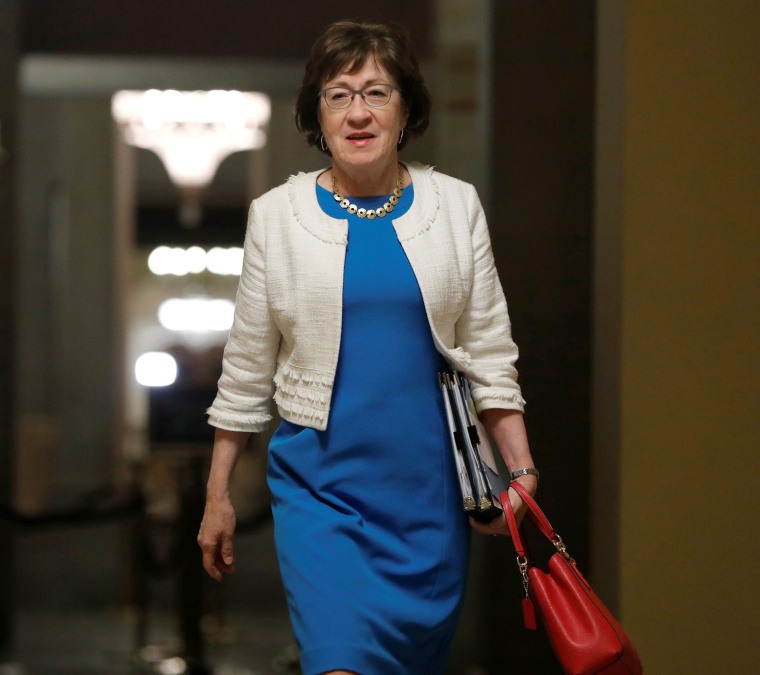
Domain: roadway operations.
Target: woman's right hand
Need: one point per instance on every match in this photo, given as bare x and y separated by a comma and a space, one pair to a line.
215, 537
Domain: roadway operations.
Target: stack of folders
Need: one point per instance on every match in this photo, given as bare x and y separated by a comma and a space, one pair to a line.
478, 476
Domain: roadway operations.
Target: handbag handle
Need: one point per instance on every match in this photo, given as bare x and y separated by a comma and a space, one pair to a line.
514, 530
537, 517
534, 511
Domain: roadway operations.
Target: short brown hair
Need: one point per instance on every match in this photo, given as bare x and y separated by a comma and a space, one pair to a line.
346, 45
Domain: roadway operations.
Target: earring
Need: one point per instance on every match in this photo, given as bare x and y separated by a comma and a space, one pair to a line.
401, 137
322, 143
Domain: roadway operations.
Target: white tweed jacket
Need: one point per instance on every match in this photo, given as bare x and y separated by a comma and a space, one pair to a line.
285, 338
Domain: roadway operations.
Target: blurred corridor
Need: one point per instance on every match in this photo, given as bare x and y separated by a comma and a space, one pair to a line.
614, 145
86, 629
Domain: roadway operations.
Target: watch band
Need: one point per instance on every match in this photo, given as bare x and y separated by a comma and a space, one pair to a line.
528, 471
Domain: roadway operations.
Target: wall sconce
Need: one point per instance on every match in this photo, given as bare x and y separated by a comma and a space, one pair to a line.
192, 132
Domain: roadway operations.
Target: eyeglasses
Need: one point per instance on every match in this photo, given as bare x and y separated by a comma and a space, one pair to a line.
374, 95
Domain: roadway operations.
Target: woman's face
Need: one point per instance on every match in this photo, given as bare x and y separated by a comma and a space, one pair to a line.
361, 136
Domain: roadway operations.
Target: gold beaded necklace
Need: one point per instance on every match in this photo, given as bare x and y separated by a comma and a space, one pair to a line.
371, 213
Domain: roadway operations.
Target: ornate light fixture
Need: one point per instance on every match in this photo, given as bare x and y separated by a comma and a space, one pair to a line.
192, 132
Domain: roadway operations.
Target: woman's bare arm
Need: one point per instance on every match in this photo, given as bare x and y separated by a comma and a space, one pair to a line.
507, 429
218, 525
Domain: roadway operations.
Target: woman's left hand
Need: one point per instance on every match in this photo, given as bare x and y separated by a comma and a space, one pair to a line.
498, 526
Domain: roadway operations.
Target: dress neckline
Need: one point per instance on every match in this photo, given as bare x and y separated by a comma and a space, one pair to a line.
332, 208
417, 220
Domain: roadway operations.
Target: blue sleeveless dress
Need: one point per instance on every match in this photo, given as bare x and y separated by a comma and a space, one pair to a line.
371, 538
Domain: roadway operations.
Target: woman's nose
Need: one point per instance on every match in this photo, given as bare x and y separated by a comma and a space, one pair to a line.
358, 109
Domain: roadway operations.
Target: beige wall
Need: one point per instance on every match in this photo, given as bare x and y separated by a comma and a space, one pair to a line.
678, 233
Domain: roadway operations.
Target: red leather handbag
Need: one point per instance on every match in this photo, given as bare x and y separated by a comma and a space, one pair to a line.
586, 638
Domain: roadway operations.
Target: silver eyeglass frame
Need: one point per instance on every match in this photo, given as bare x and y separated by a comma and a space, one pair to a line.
322, 93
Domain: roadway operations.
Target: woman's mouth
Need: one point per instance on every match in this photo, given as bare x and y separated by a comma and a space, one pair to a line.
360, 139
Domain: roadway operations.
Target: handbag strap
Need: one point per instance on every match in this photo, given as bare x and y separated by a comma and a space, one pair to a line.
514, 530
534, 511
539, 520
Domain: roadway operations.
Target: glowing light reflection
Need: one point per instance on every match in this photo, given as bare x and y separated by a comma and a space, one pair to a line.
225, 260
192, 131
177, 261
156, 369
196, 315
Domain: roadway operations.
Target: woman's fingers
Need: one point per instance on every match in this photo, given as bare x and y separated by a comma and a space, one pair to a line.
216, 544
209, 550
209, 564
216, 559
228, 555
498, 526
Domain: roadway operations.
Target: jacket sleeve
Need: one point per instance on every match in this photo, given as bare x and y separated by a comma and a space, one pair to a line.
245, 388
483, 329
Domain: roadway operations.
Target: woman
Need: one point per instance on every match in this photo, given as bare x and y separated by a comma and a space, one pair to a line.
360, 283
